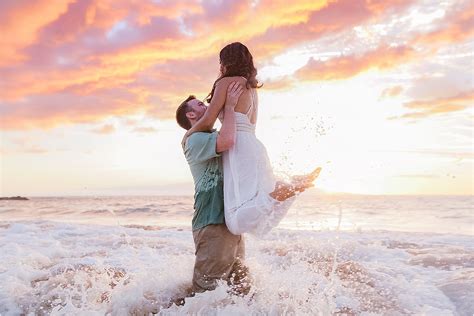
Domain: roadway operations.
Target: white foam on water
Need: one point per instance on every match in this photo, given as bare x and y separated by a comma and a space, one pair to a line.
67, 268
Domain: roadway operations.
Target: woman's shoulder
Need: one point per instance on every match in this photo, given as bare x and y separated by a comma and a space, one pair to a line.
225, 81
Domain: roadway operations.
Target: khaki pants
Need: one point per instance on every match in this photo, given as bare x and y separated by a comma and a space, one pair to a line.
219, 255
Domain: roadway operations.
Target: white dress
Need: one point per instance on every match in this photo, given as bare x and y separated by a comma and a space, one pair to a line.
248, 181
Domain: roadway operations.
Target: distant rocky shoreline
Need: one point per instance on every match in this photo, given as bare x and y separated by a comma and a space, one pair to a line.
17, 198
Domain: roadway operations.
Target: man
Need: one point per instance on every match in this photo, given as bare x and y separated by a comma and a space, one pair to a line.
219, 254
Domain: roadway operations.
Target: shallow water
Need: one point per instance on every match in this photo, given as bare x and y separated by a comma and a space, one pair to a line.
133, 255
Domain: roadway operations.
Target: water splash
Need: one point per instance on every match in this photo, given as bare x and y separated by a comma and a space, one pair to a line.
125, 235
300, 149
89, 268
333, 280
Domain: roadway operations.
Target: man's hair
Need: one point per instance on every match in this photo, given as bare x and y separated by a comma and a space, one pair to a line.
181, 117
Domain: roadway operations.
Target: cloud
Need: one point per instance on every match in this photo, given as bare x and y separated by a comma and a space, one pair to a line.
437, 153
21, 23
391, 92
97, 43
282, 84
85, 60
129, 122
34, 150
426, 108
456, 26
105, 129
47, 111
330, 18
383, 57
422, 176
145, 130
24, 145
155, 91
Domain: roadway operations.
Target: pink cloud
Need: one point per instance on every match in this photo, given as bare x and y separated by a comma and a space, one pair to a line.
334, 17
145, 129
34, 150
25, 145
21, 23
430, 107
46, 111
105, 129
456, 26
391, 92
86, 60
343, 67
156, 91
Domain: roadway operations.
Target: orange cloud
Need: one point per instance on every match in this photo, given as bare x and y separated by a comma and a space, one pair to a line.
391, 91
105, 129
21, 24
203, 34
67, 50
34, 150
25, 145
47, 111
423, 176
429, 152
156, 91
383, 57
426, 108
149, 37
282, 84
457, 26
330, 18
145, 130
85, 60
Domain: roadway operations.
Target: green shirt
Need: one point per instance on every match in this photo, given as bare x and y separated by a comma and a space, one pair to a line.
206, 168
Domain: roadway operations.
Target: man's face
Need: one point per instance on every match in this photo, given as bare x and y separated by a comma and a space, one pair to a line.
198, 108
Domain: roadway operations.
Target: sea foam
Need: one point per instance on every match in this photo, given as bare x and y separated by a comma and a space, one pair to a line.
139, 266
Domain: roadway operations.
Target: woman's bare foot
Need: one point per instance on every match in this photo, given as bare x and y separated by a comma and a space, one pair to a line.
304, 182
284, 191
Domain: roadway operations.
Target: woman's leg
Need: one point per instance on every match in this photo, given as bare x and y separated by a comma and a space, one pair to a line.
266, 210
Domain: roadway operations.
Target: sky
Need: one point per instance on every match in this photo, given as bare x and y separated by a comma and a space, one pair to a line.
378, 93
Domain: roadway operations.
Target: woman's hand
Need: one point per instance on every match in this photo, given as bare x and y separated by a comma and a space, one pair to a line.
234, 90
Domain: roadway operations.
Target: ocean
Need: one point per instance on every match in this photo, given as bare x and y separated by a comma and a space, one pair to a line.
332, 255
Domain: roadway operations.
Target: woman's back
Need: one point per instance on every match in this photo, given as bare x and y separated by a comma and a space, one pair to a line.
248, 101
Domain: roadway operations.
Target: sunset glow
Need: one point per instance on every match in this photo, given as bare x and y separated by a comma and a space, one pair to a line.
378, 93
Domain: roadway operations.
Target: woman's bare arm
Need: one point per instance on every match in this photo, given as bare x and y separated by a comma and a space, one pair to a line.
226, 137
217, 103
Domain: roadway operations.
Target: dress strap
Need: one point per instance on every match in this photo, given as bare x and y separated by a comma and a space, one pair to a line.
252, 105
251, 108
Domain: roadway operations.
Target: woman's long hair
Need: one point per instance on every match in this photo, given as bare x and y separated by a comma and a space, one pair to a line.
237, 61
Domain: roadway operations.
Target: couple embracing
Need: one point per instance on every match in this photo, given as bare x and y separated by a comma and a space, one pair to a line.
236, 191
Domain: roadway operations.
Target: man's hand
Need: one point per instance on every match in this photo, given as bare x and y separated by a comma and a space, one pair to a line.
234, 90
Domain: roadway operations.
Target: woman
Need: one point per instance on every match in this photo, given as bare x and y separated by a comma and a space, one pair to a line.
253, 200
